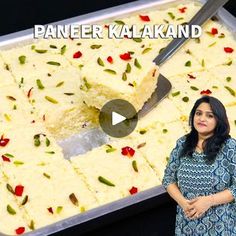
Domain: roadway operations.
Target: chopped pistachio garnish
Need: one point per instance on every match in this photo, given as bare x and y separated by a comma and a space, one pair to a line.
124, 76
7, 117
59, 209
31, 225
212, 44
40, 51
110, 149
141, 145
50, 152
160, 51
47, 142
14, 107
105, 181
69, 94
39, 84
231, 91
95, 46
46, 175
60, 84
235, 122
188, 63
8, 155
137, 64
128, 68
22, 59
18, 163
188, 52
11, 98
53, 46
194, 88
229, 63
146, 50
119, 22
142, 131
134, 165
215, 87
25, 200
10, 210
185, 99
175, 94
82, 209
10, 189
167, 159
37, 140
171, 15
22, 80
221, 36
203, 63
228, 79
164, 131
137, 40
74, 199
87, 85
50, 99
197, 40
63, 49
80, 66
53, 63
110, 71
100, 62
32, 47
180, 18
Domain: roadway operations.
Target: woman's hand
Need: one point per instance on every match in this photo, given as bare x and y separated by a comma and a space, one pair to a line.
199, 206
185, 205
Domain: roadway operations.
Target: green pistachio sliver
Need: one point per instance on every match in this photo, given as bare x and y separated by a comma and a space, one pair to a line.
53, 63
18, 163
63, 49
212, 44
160, 51
59, 209
100, 62
41, 51
53, 46
69, 94
146, 50
229, 63
25, 200
128, 68
134, 165
10, 210
95, 46
131, 52
231, 91
124, 76
74, 199
110, 71
46, 175
22, 59
8, 155
105, 181
32, 225
110, 149
50, 152
119, 22
164, 131
137, 64
180, 18
10, 189
235, 122
167, 159
203, 63
143, 131
32, 47
50, 99
39, 84
197, 40
82, 209
175, 94
11, 98
14, 107
188, 52
194, 88
228, 79
47, 142
188, 63
221, 36
215, 87
185, 99
137, 40
171, 15
60, 84
87, 85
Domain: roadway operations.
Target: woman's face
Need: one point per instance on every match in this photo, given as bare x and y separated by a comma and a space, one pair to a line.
204, 120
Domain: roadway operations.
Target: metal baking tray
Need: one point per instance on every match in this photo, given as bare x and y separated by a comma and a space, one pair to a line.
144, 200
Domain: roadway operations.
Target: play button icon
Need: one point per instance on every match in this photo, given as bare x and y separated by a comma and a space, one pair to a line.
118, 118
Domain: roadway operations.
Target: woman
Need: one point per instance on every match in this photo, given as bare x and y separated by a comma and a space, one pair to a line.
201, 173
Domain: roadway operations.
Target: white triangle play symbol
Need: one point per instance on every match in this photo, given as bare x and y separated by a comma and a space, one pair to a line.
117, 118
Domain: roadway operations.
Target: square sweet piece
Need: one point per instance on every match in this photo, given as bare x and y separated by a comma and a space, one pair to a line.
115, 73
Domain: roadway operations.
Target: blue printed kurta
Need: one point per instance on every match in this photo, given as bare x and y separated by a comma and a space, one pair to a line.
195, 177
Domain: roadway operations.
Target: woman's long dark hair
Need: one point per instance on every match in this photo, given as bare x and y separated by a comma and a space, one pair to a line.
211, 145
